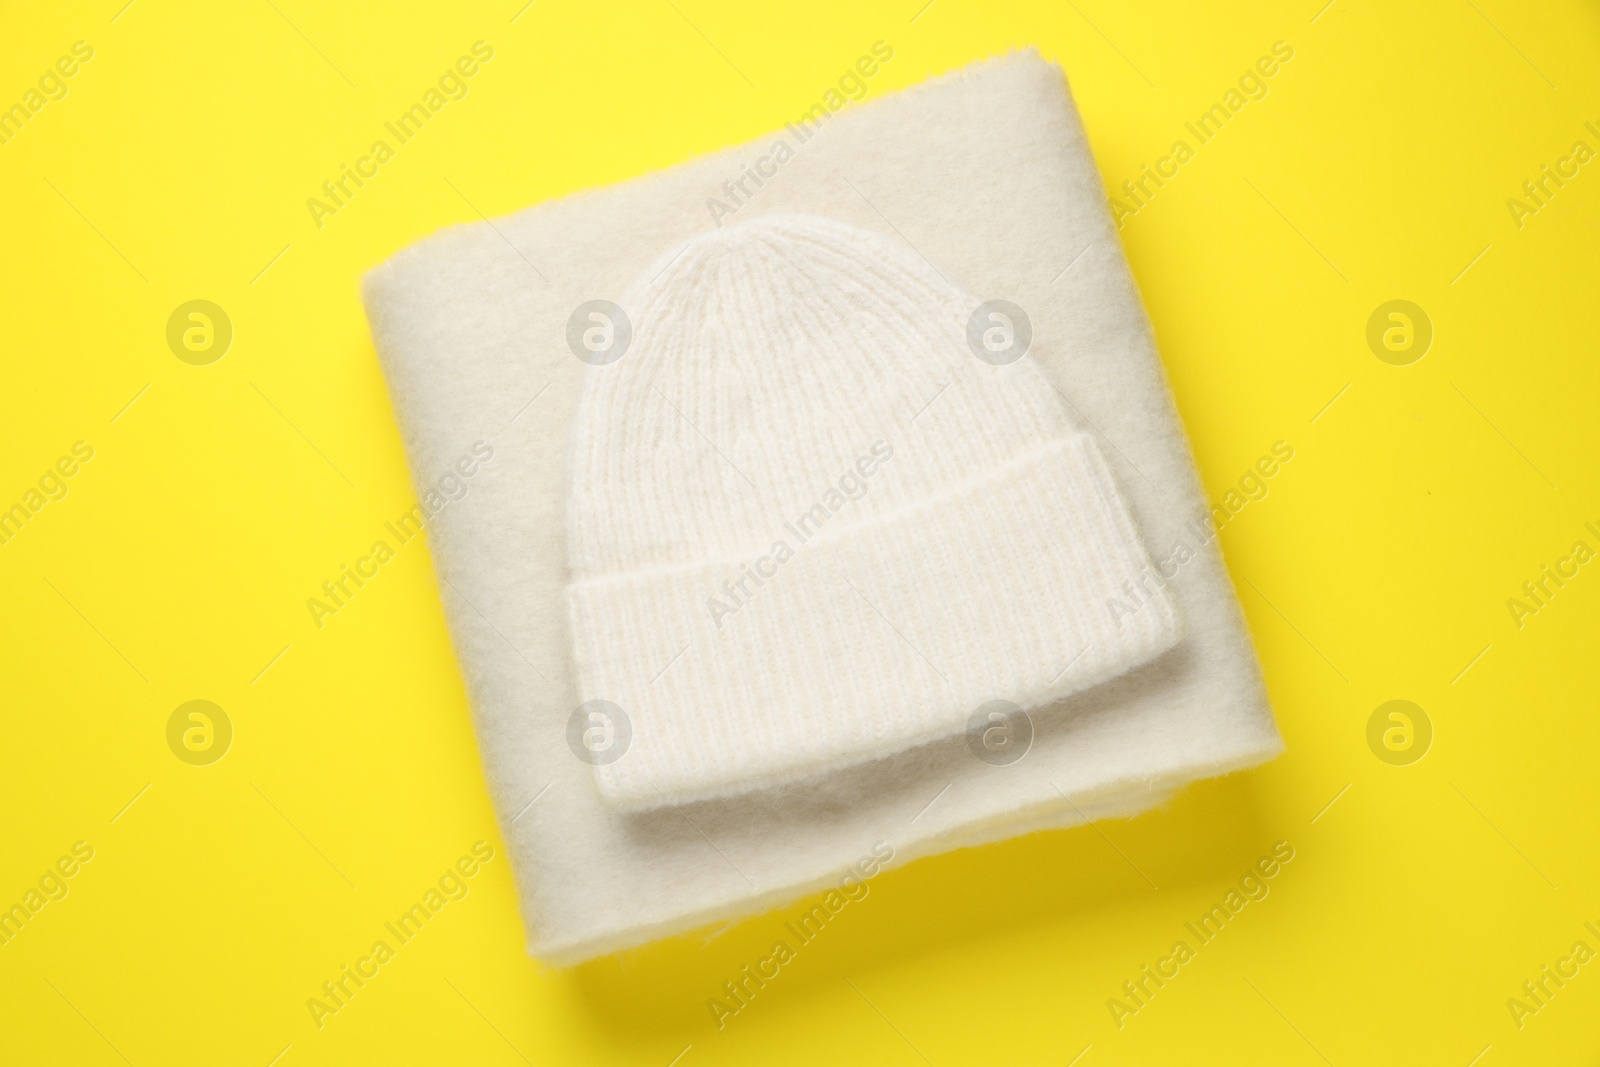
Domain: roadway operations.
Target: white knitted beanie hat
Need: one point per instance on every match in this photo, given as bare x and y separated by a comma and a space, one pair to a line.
811, 525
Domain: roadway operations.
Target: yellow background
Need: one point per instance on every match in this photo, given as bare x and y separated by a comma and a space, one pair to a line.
1378, 567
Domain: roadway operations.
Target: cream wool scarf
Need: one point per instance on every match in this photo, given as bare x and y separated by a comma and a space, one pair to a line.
472, 328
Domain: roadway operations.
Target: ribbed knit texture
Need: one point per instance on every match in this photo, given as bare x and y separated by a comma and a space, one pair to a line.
809, 527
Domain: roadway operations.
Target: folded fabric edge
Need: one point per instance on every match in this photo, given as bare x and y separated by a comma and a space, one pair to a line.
447, 241
1124, 797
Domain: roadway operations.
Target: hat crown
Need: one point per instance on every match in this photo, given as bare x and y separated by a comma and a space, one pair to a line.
783, 367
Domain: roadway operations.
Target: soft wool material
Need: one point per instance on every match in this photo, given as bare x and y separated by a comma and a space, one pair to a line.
472, 337
763, 618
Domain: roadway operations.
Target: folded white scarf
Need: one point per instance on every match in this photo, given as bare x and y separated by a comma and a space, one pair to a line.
986, 179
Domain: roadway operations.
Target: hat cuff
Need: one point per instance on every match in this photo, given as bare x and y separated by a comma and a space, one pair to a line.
850, 643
